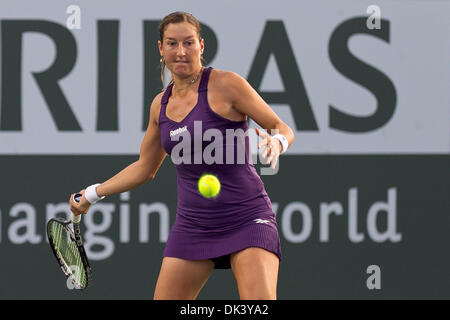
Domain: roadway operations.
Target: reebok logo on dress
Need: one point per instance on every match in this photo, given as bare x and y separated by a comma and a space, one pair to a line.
177, 131
262, 221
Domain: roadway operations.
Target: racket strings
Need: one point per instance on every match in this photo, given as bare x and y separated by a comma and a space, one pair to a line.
68, 252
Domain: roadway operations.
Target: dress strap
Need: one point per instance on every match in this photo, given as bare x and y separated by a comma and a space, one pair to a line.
204, 81
166, 95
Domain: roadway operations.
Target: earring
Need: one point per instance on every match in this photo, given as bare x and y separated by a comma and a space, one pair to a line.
161, 60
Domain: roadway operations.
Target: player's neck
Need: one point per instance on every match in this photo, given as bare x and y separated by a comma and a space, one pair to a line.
183, 85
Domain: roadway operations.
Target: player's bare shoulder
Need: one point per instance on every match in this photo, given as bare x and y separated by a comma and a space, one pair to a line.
155, 108
223, 78
226, 83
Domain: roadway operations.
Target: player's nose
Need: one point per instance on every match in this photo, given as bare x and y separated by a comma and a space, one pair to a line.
180, 50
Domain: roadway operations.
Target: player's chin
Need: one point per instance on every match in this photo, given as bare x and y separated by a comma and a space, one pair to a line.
182, 69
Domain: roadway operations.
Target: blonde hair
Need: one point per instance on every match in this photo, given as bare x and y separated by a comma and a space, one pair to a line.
177, 17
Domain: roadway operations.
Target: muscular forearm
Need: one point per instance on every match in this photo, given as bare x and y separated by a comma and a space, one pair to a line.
285, 130
288, 133
129, 178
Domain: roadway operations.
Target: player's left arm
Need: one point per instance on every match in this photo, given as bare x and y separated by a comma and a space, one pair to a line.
247, 101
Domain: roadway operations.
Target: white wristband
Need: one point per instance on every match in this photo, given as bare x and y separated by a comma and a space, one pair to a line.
283, 140
91, 194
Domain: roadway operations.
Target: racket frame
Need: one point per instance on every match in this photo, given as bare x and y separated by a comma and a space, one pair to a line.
75, 236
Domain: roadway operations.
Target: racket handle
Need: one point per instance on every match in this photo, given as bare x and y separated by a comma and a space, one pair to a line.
74, 218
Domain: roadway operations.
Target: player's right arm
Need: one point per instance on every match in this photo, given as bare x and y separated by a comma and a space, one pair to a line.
139, 172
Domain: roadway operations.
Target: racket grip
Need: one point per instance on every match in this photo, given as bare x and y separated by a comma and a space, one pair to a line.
74, 218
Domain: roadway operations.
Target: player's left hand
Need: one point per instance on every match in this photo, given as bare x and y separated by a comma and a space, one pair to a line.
272, 150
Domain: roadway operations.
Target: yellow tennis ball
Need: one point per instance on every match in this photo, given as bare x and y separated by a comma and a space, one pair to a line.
209, 185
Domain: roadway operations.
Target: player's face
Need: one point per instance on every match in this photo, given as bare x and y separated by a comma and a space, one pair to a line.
181, 49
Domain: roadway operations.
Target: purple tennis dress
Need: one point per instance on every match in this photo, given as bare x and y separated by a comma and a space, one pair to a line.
241, 215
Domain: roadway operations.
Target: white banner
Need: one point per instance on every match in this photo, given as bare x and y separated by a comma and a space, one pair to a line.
348, 77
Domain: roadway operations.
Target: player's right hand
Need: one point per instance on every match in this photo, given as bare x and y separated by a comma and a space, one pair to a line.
78, 208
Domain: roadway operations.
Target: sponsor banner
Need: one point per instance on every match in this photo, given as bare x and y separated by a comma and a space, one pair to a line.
350, 227
348, 77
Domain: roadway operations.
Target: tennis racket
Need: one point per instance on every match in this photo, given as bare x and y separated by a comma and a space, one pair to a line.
67, 246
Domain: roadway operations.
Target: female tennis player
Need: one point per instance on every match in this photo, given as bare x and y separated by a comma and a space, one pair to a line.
237, 229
